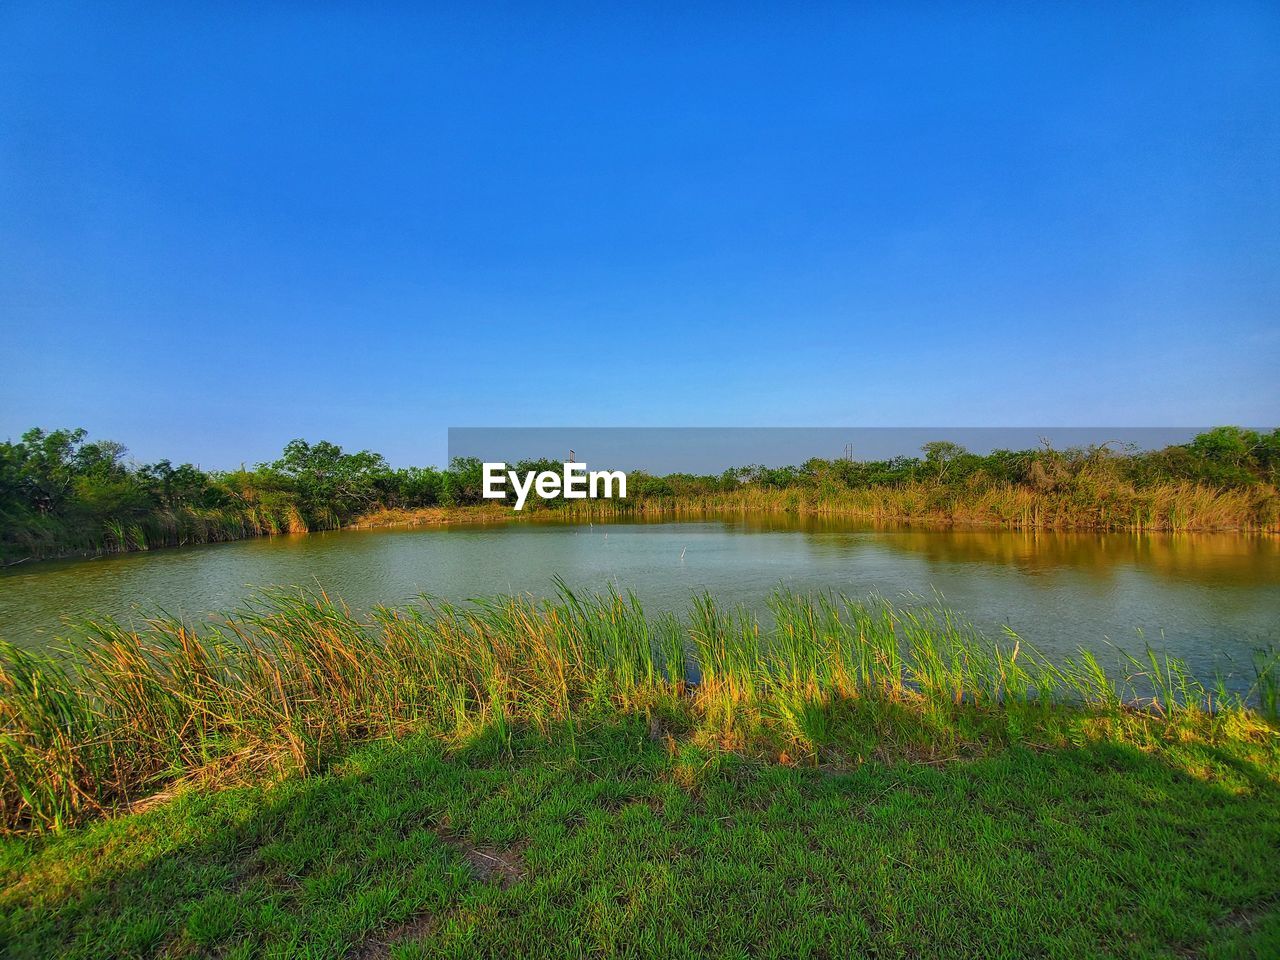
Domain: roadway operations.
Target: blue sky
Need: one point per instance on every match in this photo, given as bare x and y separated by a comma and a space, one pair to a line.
226, 228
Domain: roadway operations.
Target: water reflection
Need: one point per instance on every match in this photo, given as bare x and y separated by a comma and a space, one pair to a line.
1202, 557
1210, 598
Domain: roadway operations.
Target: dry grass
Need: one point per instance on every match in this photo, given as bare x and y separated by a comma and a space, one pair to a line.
1162, 507
433, 516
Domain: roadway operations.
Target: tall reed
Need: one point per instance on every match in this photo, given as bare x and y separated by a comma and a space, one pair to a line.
1171, 506
290, 678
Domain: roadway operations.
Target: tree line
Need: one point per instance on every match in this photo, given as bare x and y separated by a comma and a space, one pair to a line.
1224, 457
61, 492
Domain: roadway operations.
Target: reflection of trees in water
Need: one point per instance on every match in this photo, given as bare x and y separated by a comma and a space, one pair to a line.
1232, 559
1222, 559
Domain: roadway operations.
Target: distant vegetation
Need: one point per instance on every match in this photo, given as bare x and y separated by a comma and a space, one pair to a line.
1224, 479
61, 493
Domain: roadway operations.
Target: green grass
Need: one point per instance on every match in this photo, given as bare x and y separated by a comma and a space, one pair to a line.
616, 841
294, 679
579, 777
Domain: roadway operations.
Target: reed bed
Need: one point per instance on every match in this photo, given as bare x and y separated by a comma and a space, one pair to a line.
293, 677
1174, 506
169, 527
433, 516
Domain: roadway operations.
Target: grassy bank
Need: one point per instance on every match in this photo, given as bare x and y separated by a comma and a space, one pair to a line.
292, 679
178, 527
580, 777
606, 840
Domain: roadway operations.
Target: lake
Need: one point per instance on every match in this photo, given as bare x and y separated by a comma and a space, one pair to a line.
1209, 598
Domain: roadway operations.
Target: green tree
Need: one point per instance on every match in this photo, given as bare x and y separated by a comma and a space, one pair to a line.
941, 455
464, 482
328, 480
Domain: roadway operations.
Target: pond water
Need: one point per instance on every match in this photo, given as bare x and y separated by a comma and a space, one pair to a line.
1209, 598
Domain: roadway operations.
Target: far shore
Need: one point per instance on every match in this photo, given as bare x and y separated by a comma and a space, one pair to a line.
957, 517
1037, 517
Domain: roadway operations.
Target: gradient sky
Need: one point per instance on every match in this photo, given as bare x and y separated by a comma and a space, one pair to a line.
225, 228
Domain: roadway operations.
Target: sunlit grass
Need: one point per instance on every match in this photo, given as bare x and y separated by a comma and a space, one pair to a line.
623, 840
293, 678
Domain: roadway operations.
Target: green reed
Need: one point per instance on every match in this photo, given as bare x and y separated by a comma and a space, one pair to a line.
1266, 667
291, 678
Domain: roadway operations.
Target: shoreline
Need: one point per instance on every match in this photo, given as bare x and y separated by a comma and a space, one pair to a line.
415, 775
426, 516
173, 699
783, 505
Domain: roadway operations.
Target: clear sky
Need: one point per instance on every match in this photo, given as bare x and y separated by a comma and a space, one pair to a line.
226, 228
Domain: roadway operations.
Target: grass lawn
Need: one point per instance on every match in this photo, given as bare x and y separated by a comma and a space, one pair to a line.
612, 838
